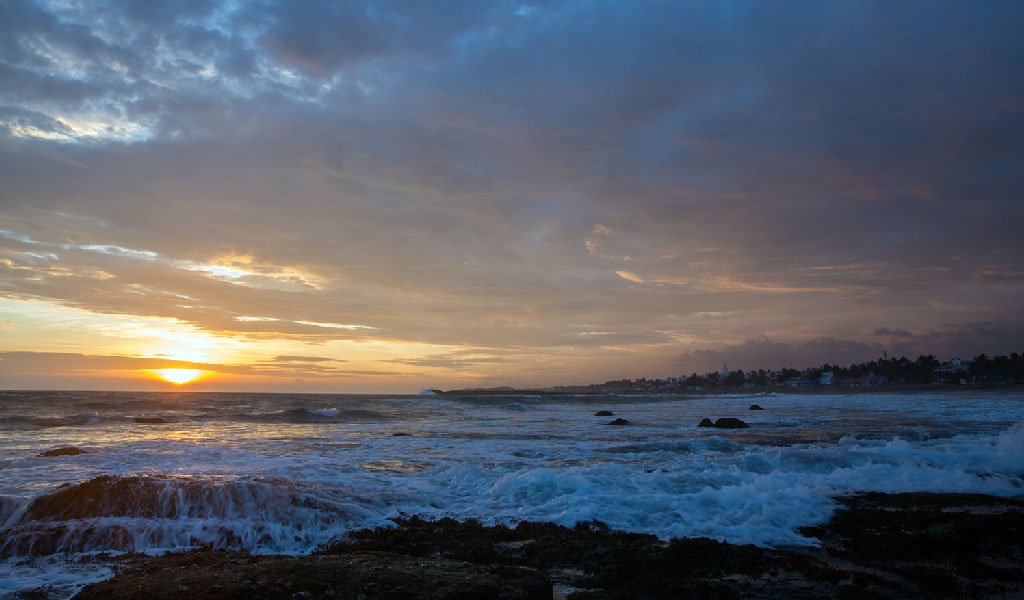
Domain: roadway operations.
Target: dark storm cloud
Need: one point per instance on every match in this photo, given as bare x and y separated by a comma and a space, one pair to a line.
766, 354
887, 332
322, 37
477, 173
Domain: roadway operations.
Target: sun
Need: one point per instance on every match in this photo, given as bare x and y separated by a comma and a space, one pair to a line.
179, 376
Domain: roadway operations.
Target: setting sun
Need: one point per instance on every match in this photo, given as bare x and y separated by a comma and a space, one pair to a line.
179, 376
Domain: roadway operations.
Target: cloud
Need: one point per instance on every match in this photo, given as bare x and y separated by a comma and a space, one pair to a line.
888, 332
19, 364
966, 340
304, 359
766, 354
397, 172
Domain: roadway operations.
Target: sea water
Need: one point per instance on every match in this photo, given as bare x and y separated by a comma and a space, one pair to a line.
271, 473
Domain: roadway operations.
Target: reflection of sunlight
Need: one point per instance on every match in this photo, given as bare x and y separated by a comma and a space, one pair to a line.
179, 376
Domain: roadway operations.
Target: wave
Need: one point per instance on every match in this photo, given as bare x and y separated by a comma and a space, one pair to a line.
294, 415
320, 415
153, 512
75, 420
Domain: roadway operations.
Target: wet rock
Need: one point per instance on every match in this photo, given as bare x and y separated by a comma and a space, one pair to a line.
755, 407
604, 413
150, 420
371, 588
619, 422
917, 545
352, 575
66, 451
730, 423
400, 434
723, 423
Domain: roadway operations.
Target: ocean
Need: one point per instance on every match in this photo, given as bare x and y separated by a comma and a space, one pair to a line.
279, 473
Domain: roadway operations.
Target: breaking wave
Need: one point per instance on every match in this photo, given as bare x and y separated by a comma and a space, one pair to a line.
709, 487
138, 513
319, 415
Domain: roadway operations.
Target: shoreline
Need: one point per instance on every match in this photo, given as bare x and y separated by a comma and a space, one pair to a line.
914, 544
752, 391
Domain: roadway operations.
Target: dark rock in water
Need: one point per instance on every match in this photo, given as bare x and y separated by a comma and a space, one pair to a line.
348, 576
604, 413
400, 434
152, 420
67, 451
755, 407
619, 422
723, 423
730, 423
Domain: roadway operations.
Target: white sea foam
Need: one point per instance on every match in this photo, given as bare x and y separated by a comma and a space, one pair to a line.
282, 483
325, 412
60, 577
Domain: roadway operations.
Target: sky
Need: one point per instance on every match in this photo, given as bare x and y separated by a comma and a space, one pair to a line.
383, 196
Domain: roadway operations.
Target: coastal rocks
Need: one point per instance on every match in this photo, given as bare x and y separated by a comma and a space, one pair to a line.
346, 576
723, 423
150, 420
755, 407
619, 422
604, 413
400, 434
66, 451
917, 545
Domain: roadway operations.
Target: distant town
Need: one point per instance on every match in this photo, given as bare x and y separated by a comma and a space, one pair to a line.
885, 373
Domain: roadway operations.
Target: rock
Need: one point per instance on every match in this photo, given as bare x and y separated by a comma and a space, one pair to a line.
149, 420
723, 423
348, 576
400, 434
755, 407
881, 546
730, 423
371, 588
66, 451
604, 413
619, 422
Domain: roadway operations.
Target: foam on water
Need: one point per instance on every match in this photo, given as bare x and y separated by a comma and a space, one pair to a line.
289, 479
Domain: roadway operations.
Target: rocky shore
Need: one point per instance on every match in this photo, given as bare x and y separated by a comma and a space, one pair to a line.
917, 545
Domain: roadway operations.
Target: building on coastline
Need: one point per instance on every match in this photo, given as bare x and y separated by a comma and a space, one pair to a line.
953, 366
827, 378
869, 380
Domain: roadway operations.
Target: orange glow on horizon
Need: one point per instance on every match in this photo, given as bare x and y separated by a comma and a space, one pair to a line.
179, 376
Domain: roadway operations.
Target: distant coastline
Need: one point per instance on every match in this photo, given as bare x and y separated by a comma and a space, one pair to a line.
818, 389
926, 373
